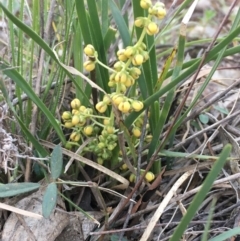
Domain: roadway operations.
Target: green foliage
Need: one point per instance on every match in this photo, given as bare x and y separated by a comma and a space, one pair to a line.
56, 162
199, 197
13, 189
144, 122
49, 200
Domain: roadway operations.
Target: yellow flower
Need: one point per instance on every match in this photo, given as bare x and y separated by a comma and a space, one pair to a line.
149, 176
89, 50
136, 132
75, 103
145, 4
137, 105
110, 129
68, 124
129, 52
121, 55
88, 130
152, 28
139, 22
137, 59
75, 136
106, 121
106, 99
89, 65
82, 108
117, 99
124, 107
101, 107
75, 119
66, 115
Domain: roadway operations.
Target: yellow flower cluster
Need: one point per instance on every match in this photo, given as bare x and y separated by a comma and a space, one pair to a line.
158, 10
124, 74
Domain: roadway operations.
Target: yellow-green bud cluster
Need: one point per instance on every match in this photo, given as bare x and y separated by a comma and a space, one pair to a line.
158, 10
89, 65
149, 177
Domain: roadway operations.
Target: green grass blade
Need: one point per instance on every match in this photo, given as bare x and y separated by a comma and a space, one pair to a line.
199, 197
226, 235
20, 81
121, 24
208, 224
25, 130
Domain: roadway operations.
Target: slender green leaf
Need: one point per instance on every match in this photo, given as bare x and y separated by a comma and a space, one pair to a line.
121, 24
56, 162
199, 197
20, 81
208, 224
49, 200
226, 235
12, 189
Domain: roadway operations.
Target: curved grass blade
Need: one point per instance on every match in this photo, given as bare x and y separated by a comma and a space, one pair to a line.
20, 81
121, 24
199, 197
25, 130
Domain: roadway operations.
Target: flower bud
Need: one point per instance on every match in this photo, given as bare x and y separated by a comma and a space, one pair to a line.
152, 28
117, 99
137, 105
140, 22
121, 77
101, 145
106, 100
145, 56
124, 167
75, 112
82, 108
129, 52
111, 84
130, 81
101, 107
132, 178
88, 130
89, 50
148, 138
68, 145
121, 55
89, 65
161, 11
106, 121
149, 176
100, 161
118, 66
66, 115
124, 107
135, 72
75, 136
145, 4
68, 124
110, 129
75, 103
137, 59
75, 119
136, 132
110, 147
